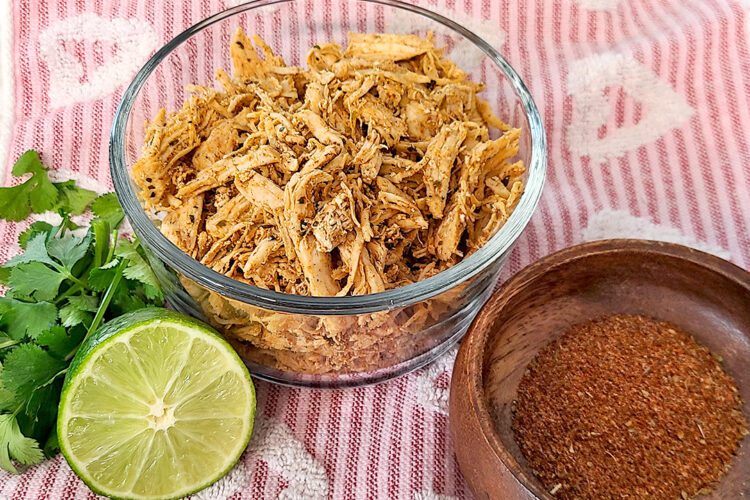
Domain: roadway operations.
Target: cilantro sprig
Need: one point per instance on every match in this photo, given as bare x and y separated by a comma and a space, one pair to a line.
65, 284
39, 194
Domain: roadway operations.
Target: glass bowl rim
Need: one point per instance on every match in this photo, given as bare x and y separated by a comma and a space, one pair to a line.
403, 296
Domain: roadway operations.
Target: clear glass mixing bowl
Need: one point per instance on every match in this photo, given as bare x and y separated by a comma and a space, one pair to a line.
383, 334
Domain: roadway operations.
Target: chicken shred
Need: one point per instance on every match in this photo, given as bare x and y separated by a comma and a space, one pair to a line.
375, 167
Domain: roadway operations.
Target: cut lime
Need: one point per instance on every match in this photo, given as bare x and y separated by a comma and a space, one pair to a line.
155, 405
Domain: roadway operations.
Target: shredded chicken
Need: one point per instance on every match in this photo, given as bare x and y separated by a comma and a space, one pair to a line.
375, 167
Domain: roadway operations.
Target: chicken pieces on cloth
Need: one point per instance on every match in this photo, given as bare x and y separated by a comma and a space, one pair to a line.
375, 167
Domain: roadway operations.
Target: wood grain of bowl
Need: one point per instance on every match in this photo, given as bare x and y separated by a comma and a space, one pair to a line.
700, 293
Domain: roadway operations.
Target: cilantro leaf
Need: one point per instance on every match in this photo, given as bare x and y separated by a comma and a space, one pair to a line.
36, 194
13, 444
26, 318
6, 341
43, 196
28, 163
52, 445
84, 302
40, 412
14, 202
59, 341
72, 199
128, 297
27, 368
68, 249
36, 251
108, 208
70, 315
35, 279
7, 397
38, 227
101, 277
138, 269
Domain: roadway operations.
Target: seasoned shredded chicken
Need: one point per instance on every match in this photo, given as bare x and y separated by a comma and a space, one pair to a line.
373, 168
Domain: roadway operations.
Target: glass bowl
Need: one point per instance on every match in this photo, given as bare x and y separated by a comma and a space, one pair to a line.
381, 335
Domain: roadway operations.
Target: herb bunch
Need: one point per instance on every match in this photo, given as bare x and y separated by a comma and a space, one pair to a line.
66, 283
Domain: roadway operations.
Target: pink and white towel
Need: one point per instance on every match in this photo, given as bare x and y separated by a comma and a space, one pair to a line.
647, 109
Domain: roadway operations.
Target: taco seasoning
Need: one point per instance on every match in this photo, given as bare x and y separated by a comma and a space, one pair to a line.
627, 406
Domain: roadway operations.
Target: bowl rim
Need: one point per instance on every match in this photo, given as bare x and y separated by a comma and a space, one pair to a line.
403, 296
474, 344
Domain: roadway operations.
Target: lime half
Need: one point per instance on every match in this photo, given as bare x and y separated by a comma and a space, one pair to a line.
155, 405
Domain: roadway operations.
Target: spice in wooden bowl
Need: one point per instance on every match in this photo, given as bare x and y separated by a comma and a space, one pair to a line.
627, 406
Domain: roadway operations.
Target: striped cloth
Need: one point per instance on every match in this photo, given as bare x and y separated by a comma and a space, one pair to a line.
646, 107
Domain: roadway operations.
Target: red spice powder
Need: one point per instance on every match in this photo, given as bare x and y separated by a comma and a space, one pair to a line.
626, 407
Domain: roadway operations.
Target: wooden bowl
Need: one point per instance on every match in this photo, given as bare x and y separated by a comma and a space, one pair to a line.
702, 294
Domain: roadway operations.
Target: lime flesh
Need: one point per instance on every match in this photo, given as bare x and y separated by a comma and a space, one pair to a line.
155, 405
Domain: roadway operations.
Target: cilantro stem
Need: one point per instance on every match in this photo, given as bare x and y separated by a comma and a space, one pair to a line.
111, 252
104, 304
69, 275
75, 280
61, 228
9, 343
61, 372
102, 240
75, 288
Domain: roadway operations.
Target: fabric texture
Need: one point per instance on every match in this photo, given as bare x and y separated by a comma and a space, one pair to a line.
646, 107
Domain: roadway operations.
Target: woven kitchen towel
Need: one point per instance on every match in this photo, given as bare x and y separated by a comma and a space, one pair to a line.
646, 107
